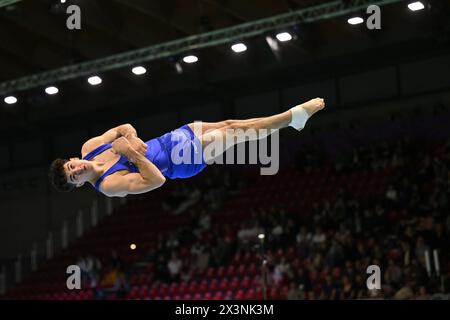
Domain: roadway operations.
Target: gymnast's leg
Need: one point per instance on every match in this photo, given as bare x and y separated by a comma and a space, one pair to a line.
296, 117
200, 127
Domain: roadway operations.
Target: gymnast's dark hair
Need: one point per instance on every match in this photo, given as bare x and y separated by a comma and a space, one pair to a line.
58, 176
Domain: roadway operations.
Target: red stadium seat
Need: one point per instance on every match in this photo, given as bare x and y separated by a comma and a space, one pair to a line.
256, 281
224, 285
203, 287
246, 282
193, 286
174, 289
259, 293
237, 258
208, 296
228, 295
274, 293
144, 291
198, 296
218, 295
214, 285
231, 271
235, 283
252, 269
284, 292
248, 257
250, 294
220, 272
239, 295
241, 270
210, 273
183, 288
187, 296
163, 290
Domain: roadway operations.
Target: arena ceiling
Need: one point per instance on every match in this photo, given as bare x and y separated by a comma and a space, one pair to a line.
34, 39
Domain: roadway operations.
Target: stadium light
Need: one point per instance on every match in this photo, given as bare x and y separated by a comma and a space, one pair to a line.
239, 47
94, 80
190, 59
284, 36
273, 44
355, 20
178, 68
139, 70
415, 6
51, 90
10, 100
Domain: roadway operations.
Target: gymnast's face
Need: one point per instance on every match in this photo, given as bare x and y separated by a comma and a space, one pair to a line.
77, 171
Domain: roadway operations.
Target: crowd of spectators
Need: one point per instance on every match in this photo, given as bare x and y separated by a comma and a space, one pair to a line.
335, 242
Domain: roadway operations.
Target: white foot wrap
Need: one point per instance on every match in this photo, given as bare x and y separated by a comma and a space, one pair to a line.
299, 118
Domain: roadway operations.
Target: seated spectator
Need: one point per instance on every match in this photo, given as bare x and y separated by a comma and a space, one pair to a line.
280, 272
172, 241
421, 247
422, 294
405, 293
319, 237
295, 292
113, 281
303, 236
174, 266
347, 291
393, 275
329, 289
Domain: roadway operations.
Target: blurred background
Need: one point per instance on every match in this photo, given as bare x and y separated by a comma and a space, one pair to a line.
365, 183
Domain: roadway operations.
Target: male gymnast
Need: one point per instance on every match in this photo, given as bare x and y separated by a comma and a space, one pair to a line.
118, 163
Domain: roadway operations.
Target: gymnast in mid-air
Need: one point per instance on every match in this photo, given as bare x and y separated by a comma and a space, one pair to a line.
118, 162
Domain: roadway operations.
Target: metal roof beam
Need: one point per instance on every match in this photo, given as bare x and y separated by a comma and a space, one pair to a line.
250, 29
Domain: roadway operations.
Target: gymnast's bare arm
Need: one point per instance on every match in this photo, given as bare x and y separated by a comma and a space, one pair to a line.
148, 178
125, 130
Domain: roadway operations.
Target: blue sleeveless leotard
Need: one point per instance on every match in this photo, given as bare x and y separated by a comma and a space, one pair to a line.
177, 154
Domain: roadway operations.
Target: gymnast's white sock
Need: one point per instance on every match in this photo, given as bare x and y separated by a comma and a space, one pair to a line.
299, 118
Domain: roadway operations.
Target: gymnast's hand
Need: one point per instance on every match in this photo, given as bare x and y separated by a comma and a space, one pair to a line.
122, 146
138, 145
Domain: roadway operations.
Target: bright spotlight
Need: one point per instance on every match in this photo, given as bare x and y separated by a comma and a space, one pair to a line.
239, 47
178, 68
132, 246
261, 236
190, 59
51, 90
10, 100
63, 1
272, 43
95, 80
284, 36
415, 6
355, 20
139, 70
